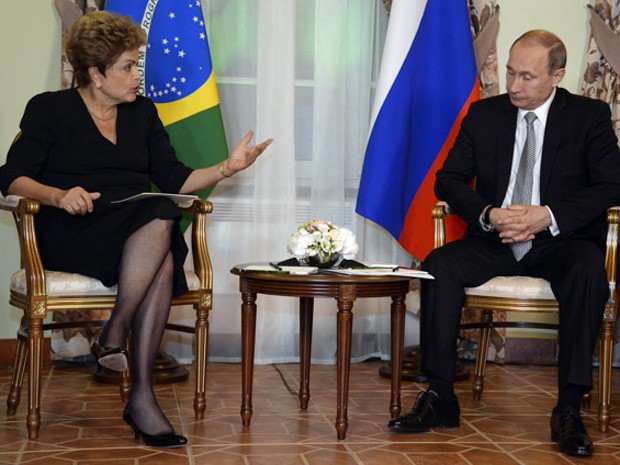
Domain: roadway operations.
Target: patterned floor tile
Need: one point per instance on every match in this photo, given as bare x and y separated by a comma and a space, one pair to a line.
81, 421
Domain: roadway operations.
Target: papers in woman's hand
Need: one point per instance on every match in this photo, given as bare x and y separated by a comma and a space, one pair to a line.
182, 200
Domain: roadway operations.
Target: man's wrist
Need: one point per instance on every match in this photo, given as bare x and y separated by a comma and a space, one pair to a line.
486, 218
487, 215
553, 228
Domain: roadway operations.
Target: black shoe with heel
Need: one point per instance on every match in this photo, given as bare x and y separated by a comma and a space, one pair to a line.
171, 439
112, 358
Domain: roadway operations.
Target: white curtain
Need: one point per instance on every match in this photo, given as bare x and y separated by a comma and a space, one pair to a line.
302, 72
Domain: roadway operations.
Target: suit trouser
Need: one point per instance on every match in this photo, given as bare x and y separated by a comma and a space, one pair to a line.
575, 268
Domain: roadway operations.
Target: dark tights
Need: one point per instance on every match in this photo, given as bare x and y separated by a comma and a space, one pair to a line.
142, 307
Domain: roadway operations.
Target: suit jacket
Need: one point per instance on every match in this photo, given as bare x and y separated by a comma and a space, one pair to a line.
580, 166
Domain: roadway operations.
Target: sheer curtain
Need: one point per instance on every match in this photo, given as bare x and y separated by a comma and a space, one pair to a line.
302, 72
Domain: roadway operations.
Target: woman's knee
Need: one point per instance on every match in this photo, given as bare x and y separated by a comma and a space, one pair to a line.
161, 226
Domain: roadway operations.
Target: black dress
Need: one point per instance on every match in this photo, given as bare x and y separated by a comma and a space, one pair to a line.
60, 145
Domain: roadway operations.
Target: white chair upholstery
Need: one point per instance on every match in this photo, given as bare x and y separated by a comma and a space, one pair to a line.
524, 287
59, 283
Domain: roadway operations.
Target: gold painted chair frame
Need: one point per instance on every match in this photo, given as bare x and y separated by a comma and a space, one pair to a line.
35, 304
488, 303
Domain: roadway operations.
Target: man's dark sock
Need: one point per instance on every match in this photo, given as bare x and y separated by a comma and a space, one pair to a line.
442, 387
571, 395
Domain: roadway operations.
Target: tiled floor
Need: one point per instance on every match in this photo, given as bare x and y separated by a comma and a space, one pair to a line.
82, 424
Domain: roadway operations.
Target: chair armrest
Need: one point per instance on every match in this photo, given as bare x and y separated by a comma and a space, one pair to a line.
611, 262
611, 254
10, 202
24, 211
440, 211
202, 262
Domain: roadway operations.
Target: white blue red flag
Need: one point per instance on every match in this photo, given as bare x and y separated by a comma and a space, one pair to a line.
427, 80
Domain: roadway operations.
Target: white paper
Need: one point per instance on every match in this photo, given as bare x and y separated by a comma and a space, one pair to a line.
300, 269
391, 266
406, 272
260, 268
182, 200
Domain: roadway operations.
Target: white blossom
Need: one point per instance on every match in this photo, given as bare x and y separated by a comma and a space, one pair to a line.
320, 236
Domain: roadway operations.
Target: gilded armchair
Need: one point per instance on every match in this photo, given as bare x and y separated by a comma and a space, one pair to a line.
526, 294
37, 291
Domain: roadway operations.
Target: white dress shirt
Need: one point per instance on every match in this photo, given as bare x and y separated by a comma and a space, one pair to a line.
520, 134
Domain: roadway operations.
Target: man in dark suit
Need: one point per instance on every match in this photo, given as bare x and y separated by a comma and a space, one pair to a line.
546, 166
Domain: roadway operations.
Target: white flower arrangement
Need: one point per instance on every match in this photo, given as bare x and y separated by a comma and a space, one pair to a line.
320, 237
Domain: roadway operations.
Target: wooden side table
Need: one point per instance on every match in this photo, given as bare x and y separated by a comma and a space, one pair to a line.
345, 289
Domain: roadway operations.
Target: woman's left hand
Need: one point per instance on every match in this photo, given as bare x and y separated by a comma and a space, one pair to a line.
244, 155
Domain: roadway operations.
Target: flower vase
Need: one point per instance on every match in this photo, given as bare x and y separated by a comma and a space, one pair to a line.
324, 260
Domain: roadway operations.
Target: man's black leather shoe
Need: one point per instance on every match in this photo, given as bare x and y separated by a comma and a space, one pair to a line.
569, 432
428, 412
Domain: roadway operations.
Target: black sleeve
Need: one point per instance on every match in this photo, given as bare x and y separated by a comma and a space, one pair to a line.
166, 171
30, 149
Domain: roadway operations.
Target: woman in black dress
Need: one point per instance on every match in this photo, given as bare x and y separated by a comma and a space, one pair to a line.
81, 149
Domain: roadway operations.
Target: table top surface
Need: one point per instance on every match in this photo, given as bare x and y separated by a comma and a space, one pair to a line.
320, 284
321, 276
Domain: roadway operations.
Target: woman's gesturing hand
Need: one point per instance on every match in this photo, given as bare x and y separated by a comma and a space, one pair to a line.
244, 155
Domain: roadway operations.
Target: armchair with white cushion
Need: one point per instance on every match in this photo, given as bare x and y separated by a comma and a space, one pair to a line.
528, 294
37, 291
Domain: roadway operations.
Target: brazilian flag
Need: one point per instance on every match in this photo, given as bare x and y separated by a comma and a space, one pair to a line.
179, 78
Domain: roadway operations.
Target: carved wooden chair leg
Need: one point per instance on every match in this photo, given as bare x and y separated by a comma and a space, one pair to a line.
19, 369
481, 357
604, 373
586, 400
202, 343
35, 364
125, 385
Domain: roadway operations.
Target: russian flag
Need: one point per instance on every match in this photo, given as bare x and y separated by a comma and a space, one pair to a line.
427, 81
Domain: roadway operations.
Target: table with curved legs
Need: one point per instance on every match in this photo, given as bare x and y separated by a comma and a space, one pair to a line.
345, 289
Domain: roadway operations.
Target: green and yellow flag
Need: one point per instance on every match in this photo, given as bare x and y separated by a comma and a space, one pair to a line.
179, 78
